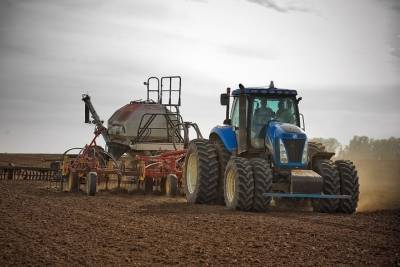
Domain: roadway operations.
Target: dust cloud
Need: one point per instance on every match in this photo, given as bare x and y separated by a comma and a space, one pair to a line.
379, 184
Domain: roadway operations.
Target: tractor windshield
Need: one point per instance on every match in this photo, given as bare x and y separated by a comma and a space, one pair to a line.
265, 109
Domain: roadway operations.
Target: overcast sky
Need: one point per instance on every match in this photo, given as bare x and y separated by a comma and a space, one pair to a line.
343, 57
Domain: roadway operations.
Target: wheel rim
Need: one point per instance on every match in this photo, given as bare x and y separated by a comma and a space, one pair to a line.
230, 185
191, 173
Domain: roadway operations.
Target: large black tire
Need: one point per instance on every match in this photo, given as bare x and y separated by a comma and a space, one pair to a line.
162, 185
171, 185
239, 184
223, 157
313, 148
148, 185
331, 186
200, 172
349, 185
73, 182
91, 183
262, 175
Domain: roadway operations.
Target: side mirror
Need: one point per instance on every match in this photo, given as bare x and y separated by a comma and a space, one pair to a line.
299, 99
224, 99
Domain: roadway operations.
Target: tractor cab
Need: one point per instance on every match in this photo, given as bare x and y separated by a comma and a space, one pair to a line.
269, 122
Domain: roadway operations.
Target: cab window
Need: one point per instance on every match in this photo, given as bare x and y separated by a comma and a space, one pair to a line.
235, 113
266, 109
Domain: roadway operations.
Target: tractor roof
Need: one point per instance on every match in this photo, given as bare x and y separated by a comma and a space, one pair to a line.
265, 91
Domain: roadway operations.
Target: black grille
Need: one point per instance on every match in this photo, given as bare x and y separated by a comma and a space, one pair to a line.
294, 149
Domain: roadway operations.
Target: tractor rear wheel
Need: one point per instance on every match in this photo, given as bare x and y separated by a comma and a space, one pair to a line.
331, 186
349, 185
313, 148
171, 185
239, 184
200, 172
91, 183
262, 175
223, 157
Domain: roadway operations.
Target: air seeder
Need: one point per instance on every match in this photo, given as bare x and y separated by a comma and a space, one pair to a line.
150, 133
262, 153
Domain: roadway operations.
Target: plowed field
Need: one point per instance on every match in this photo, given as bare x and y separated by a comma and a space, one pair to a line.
42, 226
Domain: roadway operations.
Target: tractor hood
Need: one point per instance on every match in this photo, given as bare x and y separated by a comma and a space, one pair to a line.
292, 138
276, 129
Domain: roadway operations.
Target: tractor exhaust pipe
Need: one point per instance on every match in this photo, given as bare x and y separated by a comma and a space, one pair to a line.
242, 141
225, 101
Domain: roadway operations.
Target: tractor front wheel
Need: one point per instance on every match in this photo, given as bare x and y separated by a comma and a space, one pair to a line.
239, 184
262, 175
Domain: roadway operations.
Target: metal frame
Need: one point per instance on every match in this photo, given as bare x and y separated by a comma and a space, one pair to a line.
145, 130
299, 195
152, 90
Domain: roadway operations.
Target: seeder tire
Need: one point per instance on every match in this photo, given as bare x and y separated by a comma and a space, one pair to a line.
73, 182
331, 186
171, 185
262, 175
200, 172
91, 183
349, 185
148, 185
239, 185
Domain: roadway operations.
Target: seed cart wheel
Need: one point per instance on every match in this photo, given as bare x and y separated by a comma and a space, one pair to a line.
148, 185
200, 172
239, 184
91, 183
163, 182
349, 185
331, 186
171, 185
73, 182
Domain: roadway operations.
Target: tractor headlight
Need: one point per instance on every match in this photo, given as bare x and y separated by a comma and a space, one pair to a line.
304, 157
282, 152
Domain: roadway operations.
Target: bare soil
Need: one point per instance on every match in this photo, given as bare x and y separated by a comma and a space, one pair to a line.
42, 226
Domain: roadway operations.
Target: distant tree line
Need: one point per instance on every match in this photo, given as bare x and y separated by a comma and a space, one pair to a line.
363, 147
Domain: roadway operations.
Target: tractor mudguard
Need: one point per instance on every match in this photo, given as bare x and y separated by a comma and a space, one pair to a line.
227, 135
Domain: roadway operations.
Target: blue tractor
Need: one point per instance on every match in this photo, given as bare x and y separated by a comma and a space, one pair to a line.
261, 153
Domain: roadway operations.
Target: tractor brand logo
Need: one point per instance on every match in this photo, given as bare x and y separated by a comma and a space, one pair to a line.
295, 136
